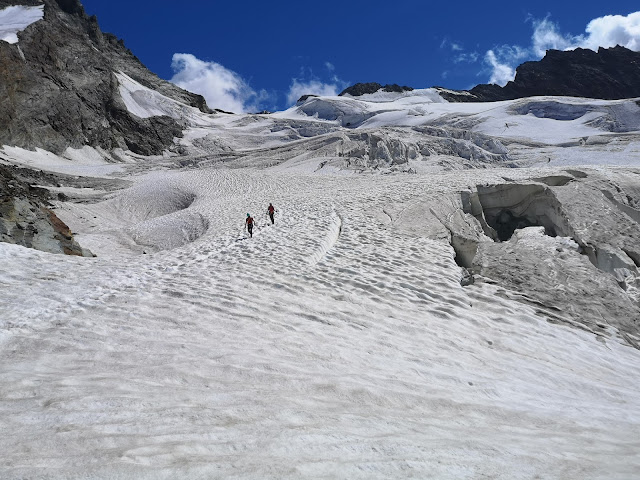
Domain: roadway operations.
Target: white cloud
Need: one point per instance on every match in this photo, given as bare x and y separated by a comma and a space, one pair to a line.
470, 57
612, 30
546, 36
607, 31
299, 88
221, 87
447, 43
503, 60
501, 72
329, 66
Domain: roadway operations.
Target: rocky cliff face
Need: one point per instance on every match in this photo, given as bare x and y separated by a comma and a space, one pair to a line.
58, 88
26, 218
609, 73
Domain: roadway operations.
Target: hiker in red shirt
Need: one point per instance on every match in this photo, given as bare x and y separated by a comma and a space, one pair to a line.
249, 224
271, 211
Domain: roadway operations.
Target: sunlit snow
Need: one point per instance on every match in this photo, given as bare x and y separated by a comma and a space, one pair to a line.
15, 19
337, 343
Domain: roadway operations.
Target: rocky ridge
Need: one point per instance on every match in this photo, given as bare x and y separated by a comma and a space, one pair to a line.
360, 89
58, 87
608, 74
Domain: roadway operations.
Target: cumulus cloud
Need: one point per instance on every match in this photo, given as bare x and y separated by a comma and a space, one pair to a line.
221, 87
299, 88
547, 36
502, 61
607, 31
612, 30
501, 72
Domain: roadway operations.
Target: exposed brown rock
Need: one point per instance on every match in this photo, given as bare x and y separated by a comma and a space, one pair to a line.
26, 220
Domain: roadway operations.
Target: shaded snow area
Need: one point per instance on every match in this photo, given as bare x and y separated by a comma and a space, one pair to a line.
337, 343
16, 18
80, 161
144, 103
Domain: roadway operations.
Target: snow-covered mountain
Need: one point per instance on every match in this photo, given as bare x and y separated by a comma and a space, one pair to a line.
450, 290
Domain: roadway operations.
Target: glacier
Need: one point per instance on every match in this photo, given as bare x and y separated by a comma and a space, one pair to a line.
380, 329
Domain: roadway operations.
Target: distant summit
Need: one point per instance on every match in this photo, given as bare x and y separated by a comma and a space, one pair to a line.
367, 88
608, 74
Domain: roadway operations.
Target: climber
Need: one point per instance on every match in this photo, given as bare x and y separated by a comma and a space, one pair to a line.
249, 222
271, 211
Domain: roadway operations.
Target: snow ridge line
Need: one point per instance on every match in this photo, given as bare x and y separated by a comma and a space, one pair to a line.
330, 239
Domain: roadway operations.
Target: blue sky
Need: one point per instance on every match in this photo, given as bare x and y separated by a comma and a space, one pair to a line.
254, 55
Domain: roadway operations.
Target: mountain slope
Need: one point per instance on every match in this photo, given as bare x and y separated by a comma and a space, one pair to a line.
58, 87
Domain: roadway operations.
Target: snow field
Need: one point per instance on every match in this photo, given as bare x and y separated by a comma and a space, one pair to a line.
85, 161
144, 103
334, 344
544, 120
15, 19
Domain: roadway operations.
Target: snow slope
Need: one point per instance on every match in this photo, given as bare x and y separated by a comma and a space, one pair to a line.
340, 342
145, 102
550, 120
331, 345
15, 19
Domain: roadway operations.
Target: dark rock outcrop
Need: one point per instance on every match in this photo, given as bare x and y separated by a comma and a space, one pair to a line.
304, 98
58, 88
609, 74
27, 220
366, 88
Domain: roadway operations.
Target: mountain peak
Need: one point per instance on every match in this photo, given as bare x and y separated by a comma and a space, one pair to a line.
59, 89
74, 7
609, 74
368, 88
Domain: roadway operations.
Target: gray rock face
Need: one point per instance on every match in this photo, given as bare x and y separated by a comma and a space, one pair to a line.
26, 220
58, 88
